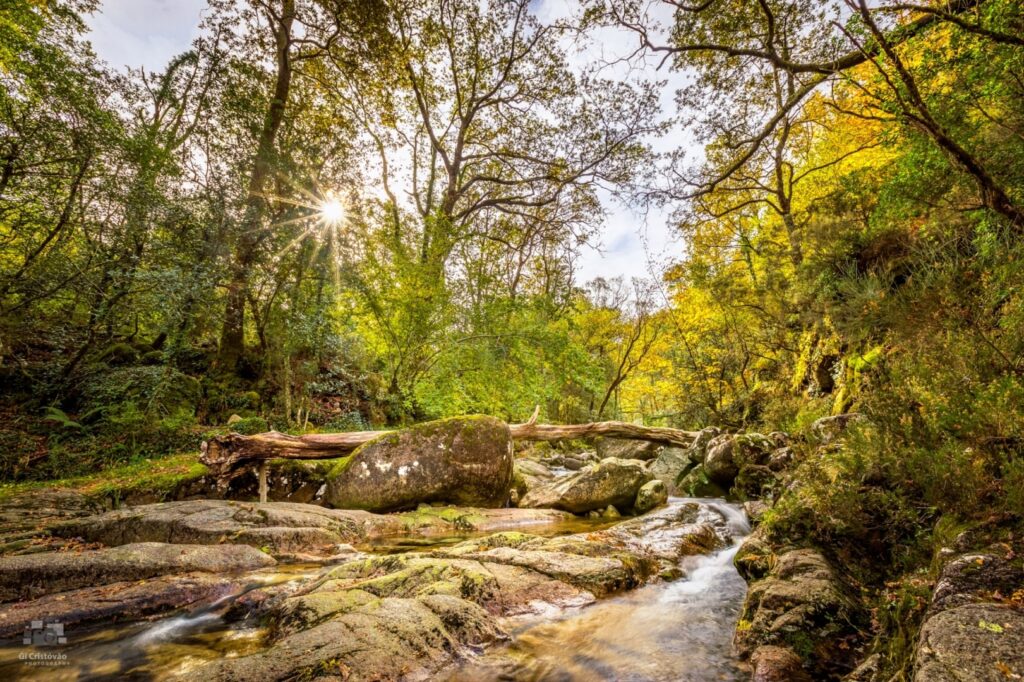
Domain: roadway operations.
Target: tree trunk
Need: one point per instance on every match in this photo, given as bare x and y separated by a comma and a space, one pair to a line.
227, 456
232, 337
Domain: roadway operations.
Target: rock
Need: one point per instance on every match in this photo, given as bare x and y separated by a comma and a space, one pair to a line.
697, 484
977, 642
119, 601
975, 576
698, 450
670, 466
391, 617
802, 605
367, 638
464, 461
828, 429
754, 481
779, 438
869, 670
610, 482
754, 557
285, 528
527, 474
572, 464
234, 419
624, 448
780, 459
611, 513
720, 465
777, 664
651, 495
34, 575
727, 454
755, 510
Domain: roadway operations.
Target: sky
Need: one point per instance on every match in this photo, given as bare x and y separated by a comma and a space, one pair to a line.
147, 33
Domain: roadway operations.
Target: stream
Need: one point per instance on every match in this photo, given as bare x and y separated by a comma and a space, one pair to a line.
679, 630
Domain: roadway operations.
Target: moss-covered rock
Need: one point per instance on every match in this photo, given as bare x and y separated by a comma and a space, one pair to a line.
651, 495
464, 460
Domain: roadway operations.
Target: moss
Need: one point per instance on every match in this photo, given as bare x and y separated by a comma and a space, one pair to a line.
158, 477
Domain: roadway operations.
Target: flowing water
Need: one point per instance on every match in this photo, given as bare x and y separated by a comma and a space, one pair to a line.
677, 631
680, 630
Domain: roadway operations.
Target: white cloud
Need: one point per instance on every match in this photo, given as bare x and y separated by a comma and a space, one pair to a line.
147, 33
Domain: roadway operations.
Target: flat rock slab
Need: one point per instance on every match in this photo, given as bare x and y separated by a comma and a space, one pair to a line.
121, 601
409, 616
288, 527
34, 575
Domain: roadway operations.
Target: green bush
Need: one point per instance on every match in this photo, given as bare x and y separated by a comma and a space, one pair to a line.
248, 426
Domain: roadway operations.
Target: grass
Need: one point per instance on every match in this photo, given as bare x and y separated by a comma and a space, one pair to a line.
158, 476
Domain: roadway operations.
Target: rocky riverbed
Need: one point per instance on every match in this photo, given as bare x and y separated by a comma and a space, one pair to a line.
620, 562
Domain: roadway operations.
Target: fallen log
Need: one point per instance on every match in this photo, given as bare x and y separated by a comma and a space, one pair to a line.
230, 455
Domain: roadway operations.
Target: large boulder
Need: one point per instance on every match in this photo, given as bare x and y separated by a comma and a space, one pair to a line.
670, 466
698, 450
610, 482
967, 636
464, 461
625, 448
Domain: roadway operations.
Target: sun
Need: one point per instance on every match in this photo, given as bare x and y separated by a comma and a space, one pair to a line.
332, 212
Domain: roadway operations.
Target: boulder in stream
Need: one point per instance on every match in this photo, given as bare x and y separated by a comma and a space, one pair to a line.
463, 461
610, 482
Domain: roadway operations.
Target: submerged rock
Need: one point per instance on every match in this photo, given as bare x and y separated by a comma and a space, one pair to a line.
610, 482
651, 495
464, 461
34, 575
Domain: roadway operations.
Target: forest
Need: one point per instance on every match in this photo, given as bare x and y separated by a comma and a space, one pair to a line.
351, 215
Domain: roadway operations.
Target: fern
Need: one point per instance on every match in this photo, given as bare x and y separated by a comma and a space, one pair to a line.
55, 414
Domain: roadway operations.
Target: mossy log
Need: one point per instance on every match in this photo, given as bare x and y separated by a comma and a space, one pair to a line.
228, 456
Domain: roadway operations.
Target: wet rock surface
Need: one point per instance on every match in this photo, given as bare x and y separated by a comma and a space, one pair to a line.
391, 617
119, 601
34, 575
463, 461
285, 527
